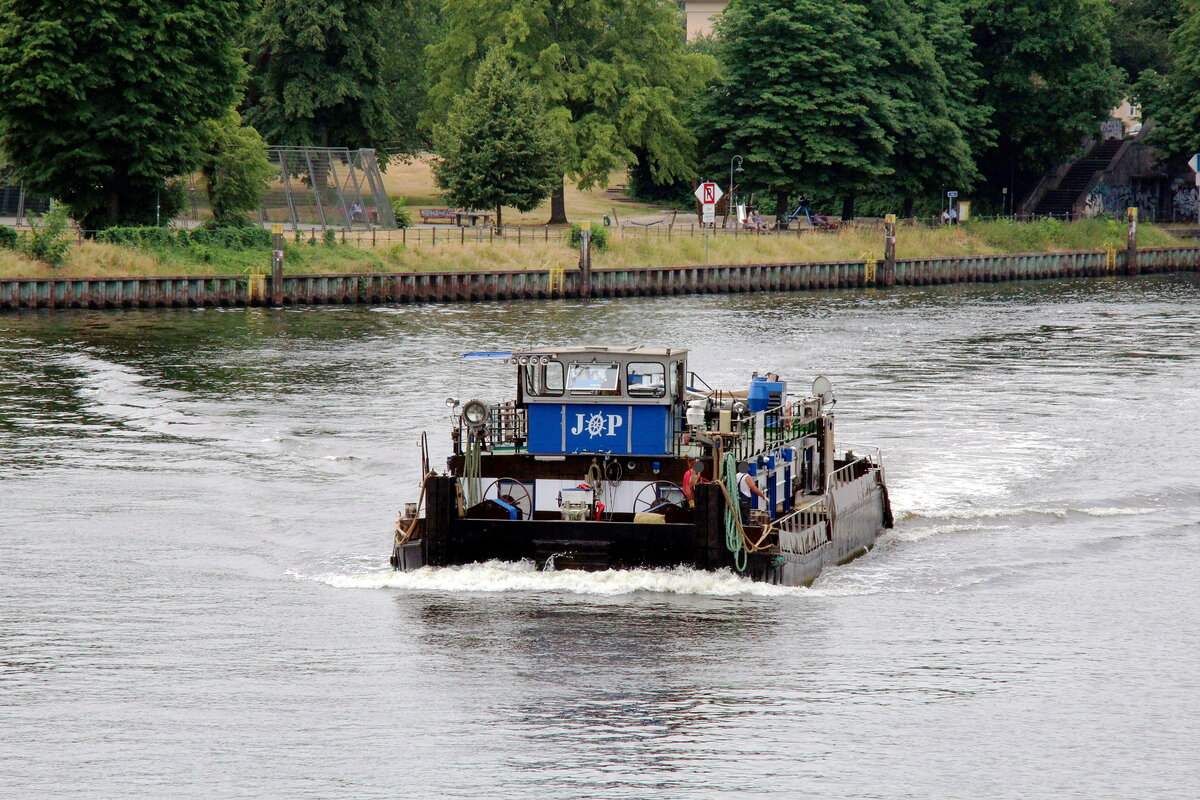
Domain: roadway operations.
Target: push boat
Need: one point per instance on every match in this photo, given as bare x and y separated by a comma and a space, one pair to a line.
585, 469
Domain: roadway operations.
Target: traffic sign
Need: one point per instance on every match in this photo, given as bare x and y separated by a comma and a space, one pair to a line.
955, 194
708, 193
1194, 162
708, 217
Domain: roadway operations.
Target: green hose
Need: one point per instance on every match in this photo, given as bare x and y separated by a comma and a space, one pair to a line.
733, 533
471, 469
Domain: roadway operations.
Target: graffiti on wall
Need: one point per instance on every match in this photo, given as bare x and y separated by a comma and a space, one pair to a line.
1107, 198
1185, 199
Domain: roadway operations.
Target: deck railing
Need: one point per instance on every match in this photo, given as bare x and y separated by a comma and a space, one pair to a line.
810, 525
781, 424
507, 429
861, 461
811, 513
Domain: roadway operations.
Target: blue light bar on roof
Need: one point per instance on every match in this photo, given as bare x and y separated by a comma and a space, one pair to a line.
488, 354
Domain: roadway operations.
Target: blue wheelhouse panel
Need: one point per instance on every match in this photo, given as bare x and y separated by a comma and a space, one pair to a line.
564, 428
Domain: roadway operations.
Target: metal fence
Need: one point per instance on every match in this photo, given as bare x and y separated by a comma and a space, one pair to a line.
327, 187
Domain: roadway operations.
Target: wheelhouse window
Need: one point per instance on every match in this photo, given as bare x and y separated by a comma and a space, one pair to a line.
593, 378
646, 379
544, 380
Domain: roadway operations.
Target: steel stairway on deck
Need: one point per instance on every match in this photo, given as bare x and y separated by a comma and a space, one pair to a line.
1060, 201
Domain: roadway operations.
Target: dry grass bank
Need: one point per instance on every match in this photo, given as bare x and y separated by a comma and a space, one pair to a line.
683, 247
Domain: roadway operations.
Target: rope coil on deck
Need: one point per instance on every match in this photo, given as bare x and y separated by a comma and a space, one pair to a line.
736, 539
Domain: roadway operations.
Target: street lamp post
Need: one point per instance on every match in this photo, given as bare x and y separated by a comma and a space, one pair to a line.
738, 159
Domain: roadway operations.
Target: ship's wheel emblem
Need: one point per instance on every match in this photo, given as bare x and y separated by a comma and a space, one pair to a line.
595, 425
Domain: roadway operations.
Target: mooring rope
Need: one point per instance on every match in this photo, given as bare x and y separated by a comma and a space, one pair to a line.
735, 534
404, 534
736, 539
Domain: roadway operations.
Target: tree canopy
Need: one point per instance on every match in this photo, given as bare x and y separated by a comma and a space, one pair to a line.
101, 101
1173, 97
235, 168
327, 73
933, 83
1140, 30
794, 99
496, 148
613, 75
1050, 80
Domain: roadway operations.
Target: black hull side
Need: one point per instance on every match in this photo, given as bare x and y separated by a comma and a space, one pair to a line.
800, 557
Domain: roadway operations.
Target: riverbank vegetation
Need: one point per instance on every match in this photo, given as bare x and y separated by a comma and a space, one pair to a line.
192, 254
924, 96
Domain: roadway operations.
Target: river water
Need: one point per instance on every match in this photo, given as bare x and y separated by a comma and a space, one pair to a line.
195, 519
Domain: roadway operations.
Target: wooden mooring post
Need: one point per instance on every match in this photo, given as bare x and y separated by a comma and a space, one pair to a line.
1131, 257
277, 264
889, 251
585, 259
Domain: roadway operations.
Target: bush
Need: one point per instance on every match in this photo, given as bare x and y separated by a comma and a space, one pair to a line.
48, 241
8, 237
401, 213
599, 237
330, 237
152, 237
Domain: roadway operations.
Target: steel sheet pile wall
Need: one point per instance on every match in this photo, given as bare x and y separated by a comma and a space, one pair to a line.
449, 287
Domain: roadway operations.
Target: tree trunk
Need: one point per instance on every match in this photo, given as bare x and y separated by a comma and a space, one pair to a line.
781, 209
558, 206
908, 208
499, 219
847, 208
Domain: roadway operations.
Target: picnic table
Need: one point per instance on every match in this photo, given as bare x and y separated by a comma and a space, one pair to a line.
461, 218
471, 219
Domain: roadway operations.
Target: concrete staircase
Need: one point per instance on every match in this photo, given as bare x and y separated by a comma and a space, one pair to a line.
1060, 201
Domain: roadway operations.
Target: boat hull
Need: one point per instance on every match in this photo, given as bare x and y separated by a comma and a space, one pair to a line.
857, 512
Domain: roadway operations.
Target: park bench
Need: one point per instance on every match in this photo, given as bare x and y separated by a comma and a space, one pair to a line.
438, 215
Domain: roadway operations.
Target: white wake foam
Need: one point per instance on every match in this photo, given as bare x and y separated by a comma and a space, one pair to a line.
497, 576
1019, 511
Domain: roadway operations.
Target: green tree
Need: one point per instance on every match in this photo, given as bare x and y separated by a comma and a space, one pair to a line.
236, 170
328, 73
1140, 30
496, 147
1172, 99
1050, 81
614, 75
102, 100
797, 101
932, 81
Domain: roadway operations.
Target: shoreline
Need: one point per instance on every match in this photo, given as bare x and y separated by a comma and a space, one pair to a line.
204, 291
